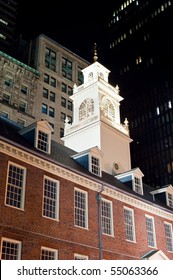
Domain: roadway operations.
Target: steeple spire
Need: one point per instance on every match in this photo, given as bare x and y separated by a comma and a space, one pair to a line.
95, 57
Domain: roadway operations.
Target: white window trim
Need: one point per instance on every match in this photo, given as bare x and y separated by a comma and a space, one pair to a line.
112, 223
50, 250
86, 209
48, 142
12, 241
167, 200
133, 220
133, 184
171, 235
23, 186
90, 164
154, 232
57, 198
83, 257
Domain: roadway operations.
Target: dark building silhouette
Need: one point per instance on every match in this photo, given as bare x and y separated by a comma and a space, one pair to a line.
141, 43
8, 22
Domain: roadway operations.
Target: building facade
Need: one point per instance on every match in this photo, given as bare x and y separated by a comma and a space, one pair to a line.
76, 201
140, 45
8, 22
43, 89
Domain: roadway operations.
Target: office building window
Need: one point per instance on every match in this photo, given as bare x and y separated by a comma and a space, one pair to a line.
8, 81
23, 106
67, 68
10, 249
6, 97
50, 59
48, 254
21, 122
52, 81
150, 231
129, 224
107, 217
63, 102
169, 236
46, 78
4, 114
15, 189
61, 132
51, 198
70, 105
52, 96
80, 76
45, 93
63, 116
81, 208
24, 89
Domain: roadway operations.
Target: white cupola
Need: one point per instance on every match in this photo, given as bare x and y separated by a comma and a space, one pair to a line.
96, 120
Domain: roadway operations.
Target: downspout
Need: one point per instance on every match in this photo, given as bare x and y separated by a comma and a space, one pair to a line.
100, 223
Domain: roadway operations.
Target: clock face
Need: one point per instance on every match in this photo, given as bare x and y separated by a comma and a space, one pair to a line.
116, 166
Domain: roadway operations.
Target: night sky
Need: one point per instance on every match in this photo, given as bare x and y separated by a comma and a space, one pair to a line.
75, 25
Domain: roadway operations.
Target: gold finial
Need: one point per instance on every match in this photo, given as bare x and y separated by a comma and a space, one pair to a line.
95, 57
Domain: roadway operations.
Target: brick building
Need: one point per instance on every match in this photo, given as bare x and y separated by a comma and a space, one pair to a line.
80, 200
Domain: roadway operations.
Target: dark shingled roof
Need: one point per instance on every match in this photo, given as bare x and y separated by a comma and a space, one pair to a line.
62, 155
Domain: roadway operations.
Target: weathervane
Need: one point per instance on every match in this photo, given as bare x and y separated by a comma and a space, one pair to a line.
95, 57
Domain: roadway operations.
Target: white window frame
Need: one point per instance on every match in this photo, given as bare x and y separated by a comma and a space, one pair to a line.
48, 145
169, 237
149, 232
105, 219
94, 168
137, 185
86, 108
77, 210
12, 241
22, 202
130, 225
80, 257
55, 251
169, 200
48, 198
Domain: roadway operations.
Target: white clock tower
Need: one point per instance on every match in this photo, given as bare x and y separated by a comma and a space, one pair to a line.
96, 120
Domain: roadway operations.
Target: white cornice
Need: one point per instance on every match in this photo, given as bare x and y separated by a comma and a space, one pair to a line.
35, 160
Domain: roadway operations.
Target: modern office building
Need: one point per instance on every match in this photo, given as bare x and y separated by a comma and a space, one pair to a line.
8, 22
80, 200
42, 91
140, 42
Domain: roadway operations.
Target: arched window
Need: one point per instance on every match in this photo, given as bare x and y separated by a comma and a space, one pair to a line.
86, 108
108, 108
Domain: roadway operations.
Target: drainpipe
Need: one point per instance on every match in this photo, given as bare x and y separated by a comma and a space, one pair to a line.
100, 222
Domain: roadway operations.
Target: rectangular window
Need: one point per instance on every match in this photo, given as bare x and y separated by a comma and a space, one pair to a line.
170, 200
169, 236
129, 224
107, 217
4, 114
95, 165
15, 190
46, 78
69, 105
50, 59
80, 257
64, 87
8, 81
67, 68
150, 231
53, 82
51, 112
81, 208
10, 249
80, 75
51, 198
44, 109
24, 89
23, 106
138, 185
63, 116
45, 93
48, 254
21, 122
6, 98
63, 102
52, 96
43, 141
61, 132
